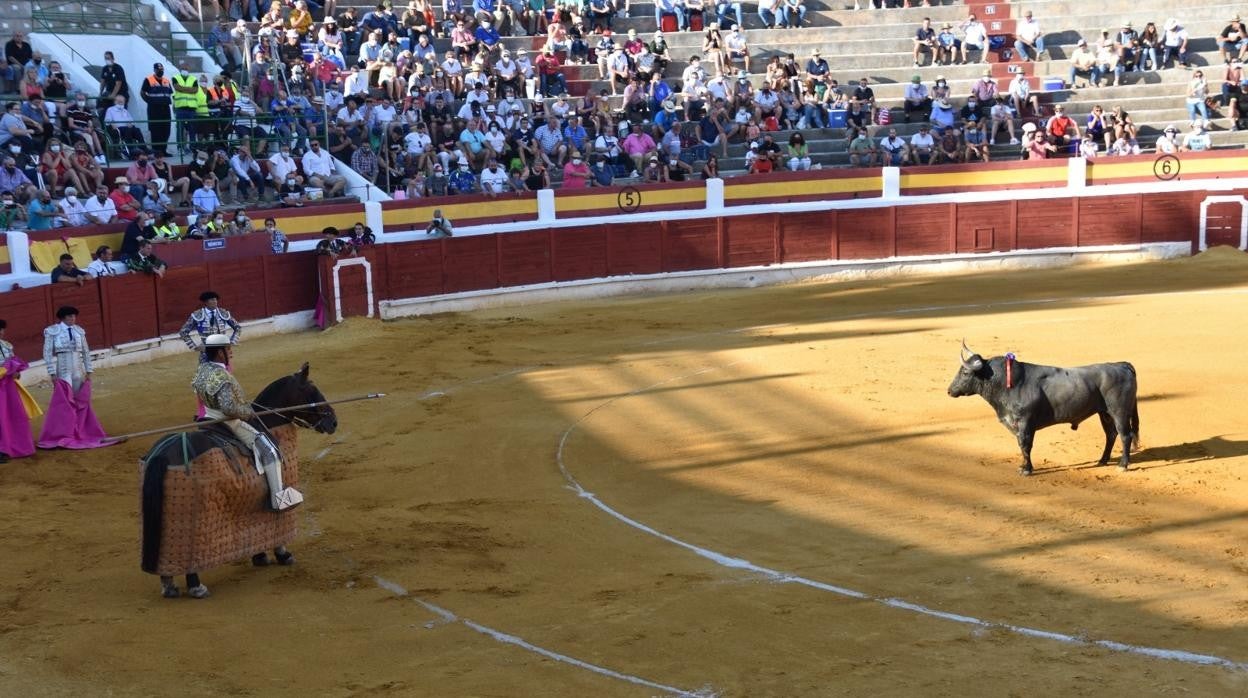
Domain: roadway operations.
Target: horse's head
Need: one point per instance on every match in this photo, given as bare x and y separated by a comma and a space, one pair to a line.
298, 389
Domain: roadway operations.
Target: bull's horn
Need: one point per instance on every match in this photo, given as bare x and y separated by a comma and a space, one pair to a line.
965, 351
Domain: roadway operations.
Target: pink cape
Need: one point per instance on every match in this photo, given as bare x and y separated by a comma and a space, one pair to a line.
16, 440
70, 421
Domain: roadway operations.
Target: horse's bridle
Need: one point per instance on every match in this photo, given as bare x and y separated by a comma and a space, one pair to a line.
321, 412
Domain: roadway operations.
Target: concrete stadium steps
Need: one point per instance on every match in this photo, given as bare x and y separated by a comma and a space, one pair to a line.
15, 17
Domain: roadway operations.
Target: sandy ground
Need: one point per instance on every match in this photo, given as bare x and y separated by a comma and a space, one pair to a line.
805, 429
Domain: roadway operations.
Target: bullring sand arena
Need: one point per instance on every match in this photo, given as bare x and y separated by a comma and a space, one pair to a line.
754, 492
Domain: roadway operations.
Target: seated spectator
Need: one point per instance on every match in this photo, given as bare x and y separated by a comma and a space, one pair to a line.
137, 232
893, 150
14, 181
758, 161
798, 153
14, 131
943, 115
793, 13
57, 167
925, 42
1021, 96
439, 226
67, 272
291, 191
1096, 127
1028, 38
1061, 130
494, 179
537, 178
101, 266
462, 181
1197, 139
1087, 147
1174, 44
975, 140
670, 7
602, 173
770, 12
240, 223
317, 165
144, 262
974, 37
205, 200
1037, 146
1233, 41
737, 49
139, 174
862, 150
10, 211
1083, 62
41, 213
1168, 142
100, 209
1109, 63
917, 100
923, 146
949, 148
121, 127
576, 174
165, 229
80, 125
948, 45
1001, 115
71, 206
364, 161
90, 174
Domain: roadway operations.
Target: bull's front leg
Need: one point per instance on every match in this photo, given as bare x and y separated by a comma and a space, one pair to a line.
1026, 434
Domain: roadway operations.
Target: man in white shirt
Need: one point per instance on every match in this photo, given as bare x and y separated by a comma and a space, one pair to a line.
99, 209
356, 83
75, 213
1021, 95
334, 98
247, 170
493, 179
894, 150
1028, 37
418, 143
319, 167
974, 36
923, 146
1167, 144
280, 165
381, 116
1001, 116
694, 73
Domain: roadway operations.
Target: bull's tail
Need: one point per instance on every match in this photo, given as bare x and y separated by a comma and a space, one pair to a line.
1135, 427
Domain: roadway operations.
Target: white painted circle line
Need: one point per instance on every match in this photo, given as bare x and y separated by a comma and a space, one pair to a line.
449, 617
901, 604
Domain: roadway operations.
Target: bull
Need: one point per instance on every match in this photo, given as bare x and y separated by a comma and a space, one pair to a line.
1028, 397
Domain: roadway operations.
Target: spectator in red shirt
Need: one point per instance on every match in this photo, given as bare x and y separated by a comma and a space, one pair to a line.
550, 78
576, 173
1062, 129
127, 206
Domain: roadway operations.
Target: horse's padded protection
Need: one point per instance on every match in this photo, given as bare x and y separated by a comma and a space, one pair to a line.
217, 510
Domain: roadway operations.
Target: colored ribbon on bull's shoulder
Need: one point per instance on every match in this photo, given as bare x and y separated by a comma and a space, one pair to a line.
1009, 370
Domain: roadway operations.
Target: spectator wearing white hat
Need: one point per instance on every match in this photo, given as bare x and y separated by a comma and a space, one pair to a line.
1174, 43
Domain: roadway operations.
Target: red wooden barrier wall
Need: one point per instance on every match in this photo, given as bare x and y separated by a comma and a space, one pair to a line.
134, 307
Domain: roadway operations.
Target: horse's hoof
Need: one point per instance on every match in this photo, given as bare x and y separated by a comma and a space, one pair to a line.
260, 560
199, 592
285, 559
1122, 468
1024, 471
170, 592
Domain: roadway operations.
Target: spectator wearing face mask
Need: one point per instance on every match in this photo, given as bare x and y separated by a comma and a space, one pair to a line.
462, 180
75, 212
277, 239
290, 193
576, 174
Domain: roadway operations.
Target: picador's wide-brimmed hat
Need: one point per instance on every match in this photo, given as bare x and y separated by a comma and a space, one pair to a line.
216, 340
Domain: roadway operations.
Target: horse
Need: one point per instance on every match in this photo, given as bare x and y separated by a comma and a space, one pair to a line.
204, 504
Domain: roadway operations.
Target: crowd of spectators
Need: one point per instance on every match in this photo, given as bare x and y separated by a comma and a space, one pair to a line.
300, 94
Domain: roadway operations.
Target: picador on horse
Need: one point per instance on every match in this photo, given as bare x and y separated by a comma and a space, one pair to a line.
226, 491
